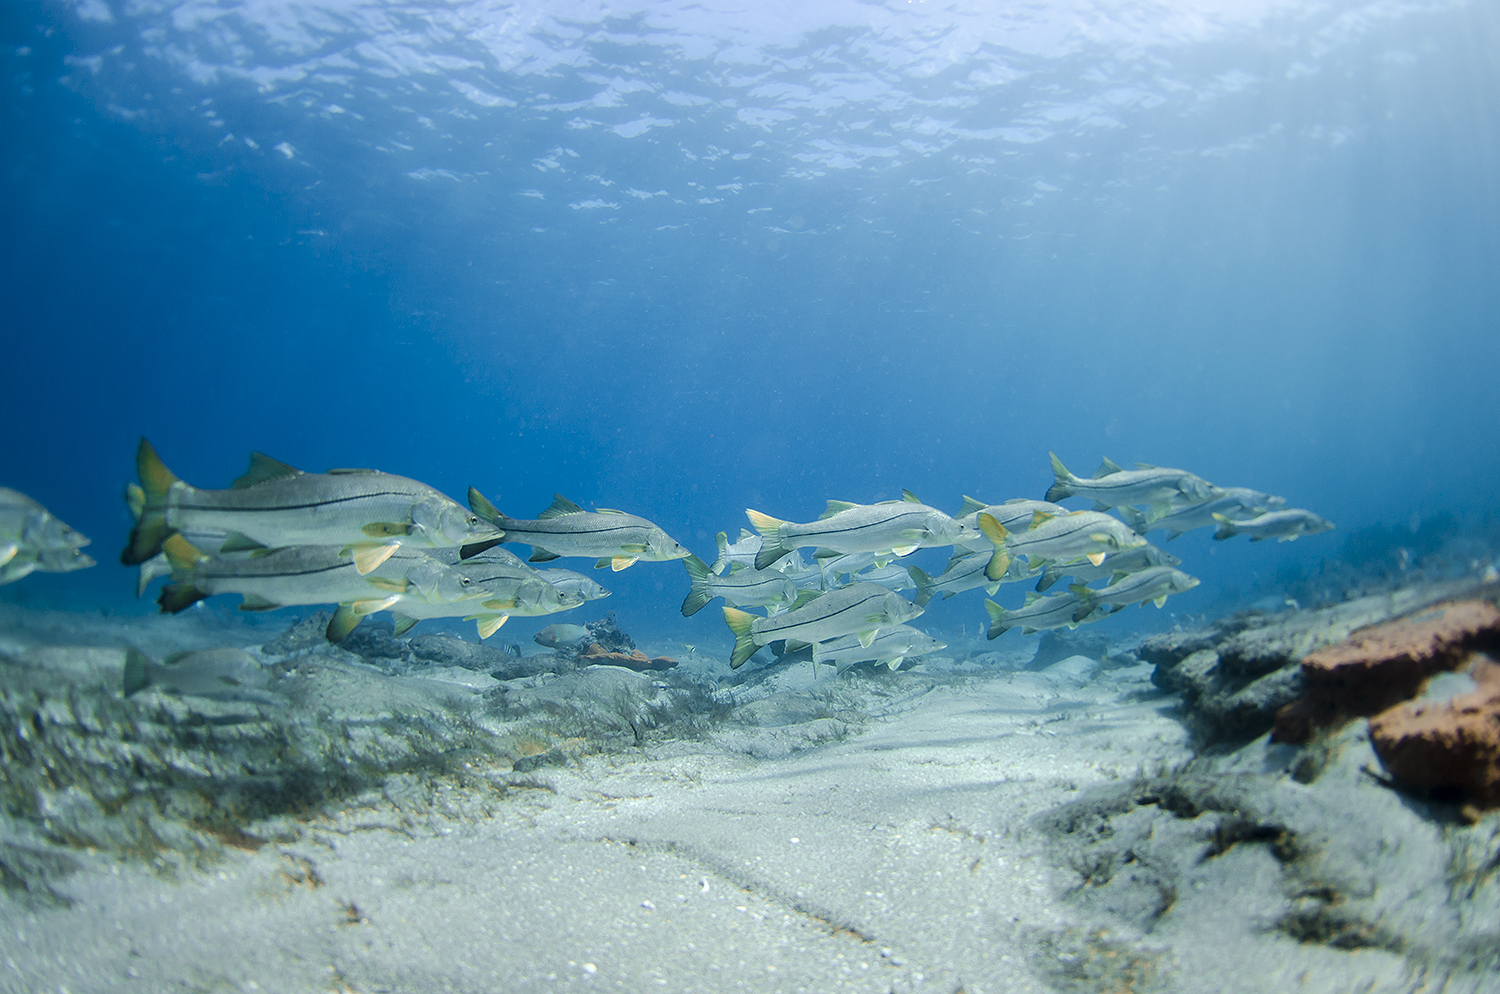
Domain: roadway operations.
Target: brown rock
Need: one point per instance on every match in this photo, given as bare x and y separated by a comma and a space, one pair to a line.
1378, 667
637, 660
1448, 750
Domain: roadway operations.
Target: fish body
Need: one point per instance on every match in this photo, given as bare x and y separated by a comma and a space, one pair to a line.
24, 561
554, 636
224, 672
1285, 526
1040, 613
1129, 561
27, 524
1066, 538
890, 576
435, 590
893, 527
862, 609
1013, 514
1112, 486
963, 573
615, 538
275, 506
1234, 503
743, 551
519, 589
570, 582
890, 646
742, 587
1154, 584
807, 576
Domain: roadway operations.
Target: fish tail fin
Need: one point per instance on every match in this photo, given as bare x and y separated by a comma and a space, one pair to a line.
1063, 487
1050, 575
137, 670
151, 569
998, 624
700, 595
1226, 528
995, 532
739, 623
176, 597
151, 528
771, 548
924, 585
343, 622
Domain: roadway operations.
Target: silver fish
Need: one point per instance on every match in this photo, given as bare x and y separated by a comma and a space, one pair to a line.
893, 527
1039, 613
1234, 503
861, 609
1063, 539
1113, 486
556, 635
1129, 561
33, 539
570, 582
24, 562
225, 672
615, 538
891, 646
436, 590
743, 587
890, 576
274, 506
1154, 584
1285, 526
1013, 514
742, 551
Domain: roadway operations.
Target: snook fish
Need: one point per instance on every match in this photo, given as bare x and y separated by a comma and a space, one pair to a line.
862, 609
1154, 584
1129, 561
742, 587
1113, 486
225, 672
1286, 526
274, 506
891, 647
1234, 503
1013, 514
893, 527
615, 538
1063, 539
1039, 613
570, 582
742, 551
32, 539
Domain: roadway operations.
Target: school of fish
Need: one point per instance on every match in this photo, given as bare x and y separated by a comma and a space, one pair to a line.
369, 541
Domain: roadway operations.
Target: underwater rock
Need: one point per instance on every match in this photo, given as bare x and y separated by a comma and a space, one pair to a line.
606, 633
1378, 667
303, 636
602, 708
597, 655
1447, 750
448, 650
1057, 644
375, 642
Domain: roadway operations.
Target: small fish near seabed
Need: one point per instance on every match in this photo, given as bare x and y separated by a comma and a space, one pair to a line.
740, 587
216, 673
1112, 486
559, 635
1038, 614
892, 646
889, 528
862, 609
1066, 538
1154, 585
614, 538
34, 540
275, 505
1284, 526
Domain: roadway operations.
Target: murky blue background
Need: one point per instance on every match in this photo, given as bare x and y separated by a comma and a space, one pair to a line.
683, 258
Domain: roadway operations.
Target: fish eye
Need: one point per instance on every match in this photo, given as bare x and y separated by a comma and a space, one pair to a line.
465, 581
473, 519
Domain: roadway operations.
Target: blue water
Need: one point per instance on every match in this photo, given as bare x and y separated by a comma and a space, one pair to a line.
683, 259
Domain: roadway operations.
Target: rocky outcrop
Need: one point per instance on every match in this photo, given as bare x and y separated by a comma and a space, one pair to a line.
1447, 750
597, 655
1380, 666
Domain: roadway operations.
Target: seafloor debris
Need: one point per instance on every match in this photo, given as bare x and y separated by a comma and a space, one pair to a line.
597, 655
1379, 667
1449, 750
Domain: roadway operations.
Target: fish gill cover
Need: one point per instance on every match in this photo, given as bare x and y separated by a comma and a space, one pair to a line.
685, 258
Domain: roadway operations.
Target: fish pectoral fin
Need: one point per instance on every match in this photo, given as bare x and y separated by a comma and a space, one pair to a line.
541, 555
364, 607
488, 624
368, 557
235, 542
385, 529
1160, 601
8, 552
623, 562
390, 586
1095, 557
255, 602
404, 624
866, 638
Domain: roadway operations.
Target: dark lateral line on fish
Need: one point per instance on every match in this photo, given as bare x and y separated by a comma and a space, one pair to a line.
510, 529
868, 524
1052, 538
272, 576
827, 617
289, 507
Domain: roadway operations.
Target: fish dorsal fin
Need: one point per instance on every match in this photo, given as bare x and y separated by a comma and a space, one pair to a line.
835, 506
173, 658
235, 542
804, 598
737, 568
747, 533
1018, 500
1040, 518
910, 497
607, 510
560, 506
1145, 465
263, 469
348, 471
1032, 597
971, 505
1120, 574
481, 506
1106, 468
